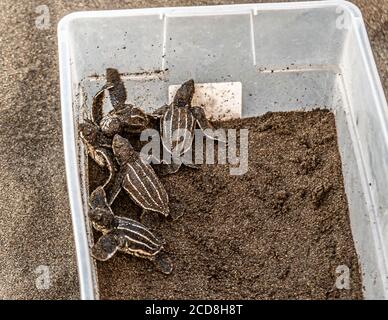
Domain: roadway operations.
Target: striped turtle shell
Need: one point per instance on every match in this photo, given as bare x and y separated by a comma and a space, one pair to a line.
138, 179
145, 188
177, 129
136, 239
177, 123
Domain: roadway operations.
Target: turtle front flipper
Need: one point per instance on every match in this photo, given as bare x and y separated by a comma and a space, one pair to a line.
165, 169
108, 162
117, 91
98, 104
115, 185
206, 126
163, 263
184, 95
150, 219
105, 247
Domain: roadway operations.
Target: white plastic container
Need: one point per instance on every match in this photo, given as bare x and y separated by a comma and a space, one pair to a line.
289, 56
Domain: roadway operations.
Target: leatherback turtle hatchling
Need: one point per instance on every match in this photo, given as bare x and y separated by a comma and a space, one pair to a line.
98, 147
139, 180
124, 234
97, 144
124, 117
180, 117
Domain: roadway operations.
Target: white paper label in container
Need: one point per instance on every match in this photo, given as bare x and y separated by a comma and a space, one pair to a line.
221, 101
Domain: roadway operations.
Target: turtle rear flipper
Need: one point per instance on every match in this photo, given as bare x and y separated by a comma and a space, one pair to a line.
108, 162
115, 185
163, 263
150, 219
205, 125
105, 247
175, 215
190, 163
165, 169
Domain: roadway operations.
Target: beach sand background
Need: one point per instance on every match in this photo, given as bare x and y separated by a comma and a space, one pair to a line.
35, 222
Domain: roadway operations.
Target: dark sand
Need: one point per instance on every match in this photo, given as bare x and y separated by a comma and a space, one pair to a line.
277, 232
35, 223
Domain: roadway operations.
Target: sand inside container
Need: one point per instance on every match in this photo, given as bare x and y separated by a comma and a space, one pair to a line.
278, 232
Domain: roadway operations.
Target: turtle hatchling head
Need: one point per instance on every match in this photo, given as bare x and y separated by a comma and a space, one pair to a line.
92, 135
185, 94
122, 149
102, 219
100, 214
111, 124
98, 199
88, 131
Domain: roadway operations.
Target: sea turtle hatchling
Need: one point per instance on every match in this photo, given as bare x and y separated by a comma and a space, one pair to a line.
138, 179
180, 117
98, 147
124, 117
124, 234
